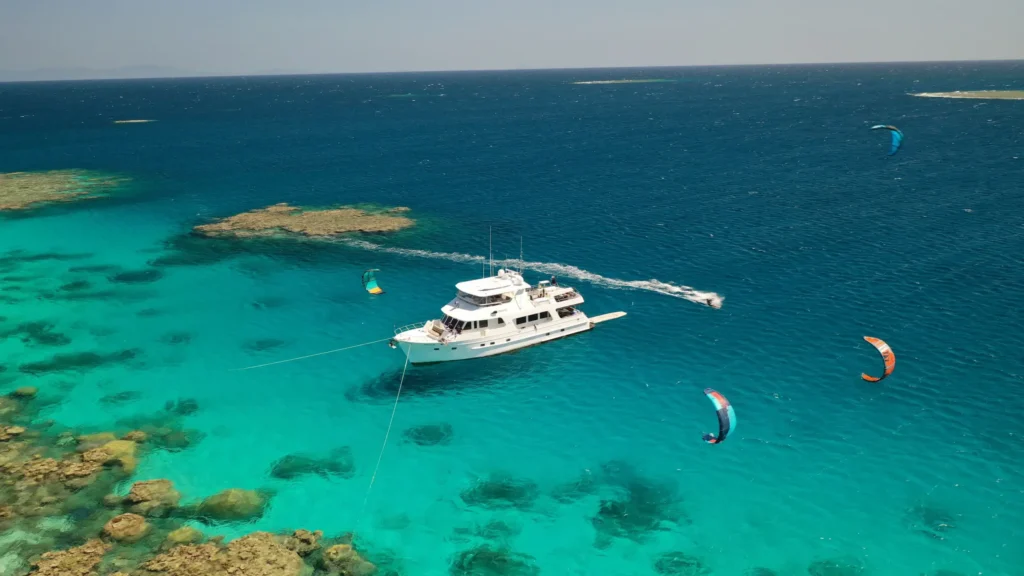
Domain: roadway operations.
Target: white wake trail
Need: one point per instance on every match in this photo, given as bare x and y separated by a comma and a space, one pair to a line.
667, 288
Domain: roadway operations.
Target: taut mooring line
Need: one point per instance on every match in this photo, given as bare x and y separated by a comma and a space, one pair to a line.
311, 355
386, 435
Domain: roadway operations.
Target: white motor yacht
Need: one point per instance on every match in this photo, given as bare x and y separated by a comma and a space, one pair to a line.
494, 315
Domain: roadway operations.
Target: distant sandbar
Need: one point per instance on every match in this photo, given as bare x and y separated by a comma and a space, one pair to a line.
636, 81
133, 121
283, 220
976, 94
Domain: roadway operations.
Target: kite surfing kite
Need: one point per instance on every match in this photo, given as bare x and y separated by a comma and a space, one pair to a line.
370, 282
887, 356
726, 417
897, 136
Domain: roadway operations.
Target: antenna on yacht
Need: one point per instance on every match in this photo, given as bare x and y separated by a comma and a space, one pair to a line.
520, 255
490, 250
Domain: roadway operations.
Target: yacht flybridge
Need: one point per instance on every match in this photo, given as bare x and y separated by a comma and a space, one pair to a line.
494, 315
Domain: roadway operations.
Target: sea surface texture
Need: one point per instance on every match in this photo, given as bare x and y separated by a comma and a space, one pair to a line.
763, 185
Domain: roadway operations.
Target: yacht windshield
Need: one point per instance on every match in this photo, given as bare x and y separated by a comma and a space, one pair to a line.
484, 300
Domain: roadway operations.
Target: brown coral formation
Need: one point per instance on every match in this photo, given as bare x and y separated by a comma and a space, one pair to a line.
152, 497
282, 219
183, 535
8, 432
80, 561
90, 441
24, 190
258, 554
233, 504
45, 472
302, 542
115, 451
136, 436
126, 528
343, 560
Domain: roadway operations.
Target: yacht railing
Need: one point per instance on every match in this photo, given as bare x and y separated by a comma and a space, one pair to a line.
415, 326
433, 328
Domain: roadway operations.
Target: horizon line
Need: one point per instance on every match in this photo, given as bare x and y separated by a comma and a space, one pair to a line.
198, 75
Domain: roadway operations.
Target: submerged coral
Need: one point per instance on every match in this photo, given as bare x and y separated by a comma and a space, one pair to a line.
284, 219
501, 491
258, 554
846, 566
182, 406
496, 531
339, 462
120, 397
25, 190
269, 302
262, 344
680, 564
930, 520
126, 528
56, 493
490, 561
75, 286
233, 504
570, 492
163, 430
343, 560
152, 497
78, 361
183, 535
79, 561
639, 506
429, 434
176, 338
137, 276
38, 333
302, 542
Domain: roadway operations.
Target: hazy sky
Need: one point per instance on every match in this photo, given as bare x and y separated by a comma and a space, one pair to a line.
253, 36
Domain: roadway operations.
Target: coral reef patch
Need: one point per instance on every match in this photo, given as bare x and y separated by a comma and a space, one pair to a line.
282, 219
28, 190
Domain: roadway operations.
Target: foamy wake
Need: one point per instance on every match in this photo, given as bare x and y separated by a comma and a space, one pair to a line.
563, 270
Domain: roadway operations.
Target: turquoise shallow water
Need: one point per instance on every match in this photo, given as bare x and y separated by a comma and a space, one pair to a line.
763, 185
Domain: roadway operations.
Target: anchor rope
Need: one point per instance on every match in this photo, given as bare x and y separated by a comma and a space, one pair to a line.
387, 434
311, 355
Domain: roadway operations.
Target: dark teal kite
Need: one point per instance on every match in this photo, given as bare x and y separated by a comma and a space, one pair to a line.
897, 136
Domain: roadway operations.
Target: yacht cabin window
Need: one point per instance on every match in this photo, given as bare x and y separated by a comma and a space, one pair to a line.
457, 325
533, 318
485, 300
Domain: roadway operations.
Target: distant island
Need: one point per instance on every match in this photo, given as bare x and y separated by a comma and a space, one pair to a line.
976, 94
284, 220
636, 81
133, 121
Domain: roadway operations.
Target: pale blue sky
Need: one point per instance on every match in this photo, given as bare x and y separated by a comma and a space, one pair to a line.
254, 36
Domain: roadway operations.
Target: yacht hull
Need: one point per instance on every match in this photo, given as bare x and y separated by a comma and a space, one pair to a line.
490, 345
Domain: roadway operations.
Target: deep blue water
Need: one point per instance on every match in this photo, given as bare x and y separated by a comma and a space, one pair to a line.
763, 185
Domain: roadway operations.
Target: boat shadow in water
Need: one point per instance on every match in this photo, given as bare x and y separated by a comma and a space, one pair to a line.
456, 377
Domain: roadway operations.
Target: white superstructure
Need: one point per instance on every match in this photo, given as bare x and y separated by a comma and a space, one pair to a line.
494, 315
